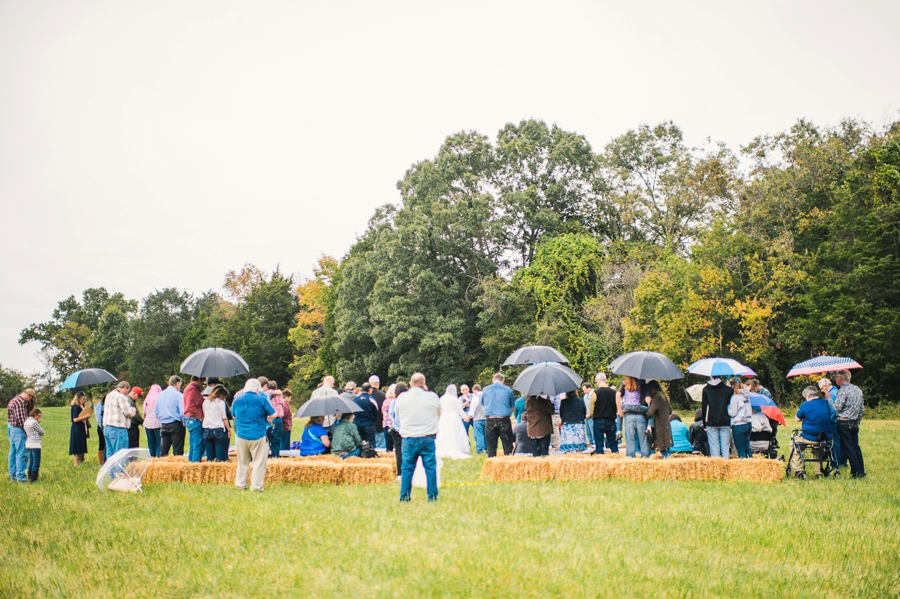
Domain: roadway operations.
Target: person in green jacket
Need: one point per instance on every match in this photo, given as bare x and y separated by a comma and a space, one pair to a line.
345, 439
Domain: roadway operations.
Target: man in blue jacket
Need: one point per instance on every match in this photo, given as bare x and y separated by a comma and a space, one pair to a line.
818, 417
498, 401
365, 420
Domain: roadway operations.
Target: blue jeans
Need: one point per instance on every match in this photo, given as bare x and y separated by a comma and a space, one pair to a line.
195, 431
741, 434
636, 438
285, 440
216, 442
413, 447
478, 427
350, 454
380, 443
589, 431
719, 438
116, 439
17, 454
34, 459
605, 434
836, 448
153, 441
274, 436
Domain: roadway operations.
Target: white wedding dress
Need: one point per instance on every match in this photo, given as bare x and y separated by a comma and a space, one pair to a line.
452, 441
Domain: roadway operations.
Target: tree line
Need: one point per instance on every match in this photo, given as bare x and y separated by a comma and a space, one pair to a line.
786, 250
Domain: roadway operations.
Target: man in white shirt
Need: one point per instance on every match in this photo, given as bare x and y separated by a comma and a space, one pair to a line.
326, 390
419, 411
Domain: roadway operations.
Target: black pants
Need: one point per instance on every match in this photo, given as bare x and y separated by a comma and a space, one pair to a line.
849, 433
498, 428
134, 436
541, 446
398, 449
367, 433
605, 434
388, 440
171, 435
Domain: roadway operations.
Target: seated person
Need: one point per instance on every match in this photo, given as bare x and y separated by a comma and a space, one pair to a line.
524, 444
698, 435
818, 418
314, 440
759, 423
681, 437
345, 439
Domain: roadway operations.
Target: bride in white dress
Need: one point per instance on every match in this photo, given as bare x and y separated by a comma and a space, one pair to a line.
452, 441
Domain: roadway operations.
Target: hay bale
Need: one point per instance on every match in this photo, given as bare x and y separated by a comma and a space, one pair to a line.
756, 469
369, 473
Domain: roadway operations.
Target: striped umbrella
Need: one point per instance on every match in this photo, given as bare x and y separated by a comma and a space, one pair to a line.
823, 364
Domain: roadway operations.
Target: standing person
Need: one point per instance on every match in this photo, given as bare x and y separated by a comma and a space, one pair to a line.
660, 410
16, 415
849, 407
78, 431
169, 410
396, 435
216, 431
633, 410
370, 414
387, 423
273, 434
326, 389
539, 417
498, 401
254, 415
714, 403
476, 410
193, 418
557, 422
572, 413
379, 397
586, 391
117, 412
758, 388
101, 440
603, 409
519, 409
287, 419
740, 412
134, 431
452, 441
830, 392
33, 434
465, 402
151, 422
419, 411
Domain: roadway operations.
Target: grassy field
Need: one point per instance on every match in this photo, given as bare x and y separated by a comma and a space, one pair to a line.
62, 537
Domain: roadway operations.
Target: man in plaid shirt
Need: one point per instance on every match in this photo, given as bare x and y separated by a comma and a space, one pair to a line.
16, 413
117, 413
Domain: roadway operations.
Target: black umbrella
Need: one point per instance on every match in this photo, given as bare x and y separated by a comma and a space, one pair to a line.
548, 378
214, 361
89, 376
532, 354
646, 365
326, 406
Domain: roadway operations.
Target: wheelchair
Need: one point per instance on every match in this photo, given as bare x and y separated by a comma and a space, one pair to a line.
817, 453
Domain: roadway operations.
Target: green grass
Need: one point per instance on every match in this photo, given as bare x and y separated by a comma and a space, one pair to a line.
62, 537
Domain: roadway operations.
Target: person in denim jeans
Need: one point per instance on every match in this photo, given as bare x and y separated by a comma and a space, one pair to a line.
418, 411
632, 410
193, 418
476, 410
216, 432
714, 403
740, 411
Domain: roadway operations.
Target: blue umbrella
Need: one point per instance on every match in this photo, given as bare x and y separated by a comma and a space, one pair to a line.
758, 400
719, 367
89, 376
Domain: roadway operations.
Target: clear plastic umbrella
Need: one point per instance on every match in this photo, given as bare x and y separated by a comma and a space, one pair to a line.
124, 469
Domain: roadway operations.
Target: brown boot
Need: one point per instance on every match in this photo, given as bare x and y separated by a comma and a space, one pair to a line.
101, 457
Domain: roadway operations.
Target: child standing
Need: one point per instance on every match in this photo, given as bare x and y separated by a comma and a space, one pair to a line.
33, 434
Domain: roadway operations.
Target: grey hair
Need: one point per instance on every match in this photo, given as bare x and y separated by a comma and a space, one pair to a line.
823, 381
600, 376
174, 380
499, 377
810, 392
844, 374
252, 386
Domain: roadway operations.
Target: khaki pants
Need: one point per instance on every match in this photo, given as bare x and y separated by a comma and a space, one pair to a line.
255, 453
554, 433
797, 465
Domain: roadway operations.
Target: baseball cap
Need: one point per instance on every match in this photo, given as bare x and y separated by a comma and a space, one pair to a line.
374, 380
137, 390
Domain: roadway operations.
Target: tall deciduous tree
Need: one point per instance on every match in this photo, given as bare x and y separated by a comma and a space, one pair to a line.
157, 334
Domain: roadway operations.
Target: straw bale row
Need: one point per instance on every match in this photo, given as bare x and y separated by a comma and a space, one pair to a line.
513, 469
312, 470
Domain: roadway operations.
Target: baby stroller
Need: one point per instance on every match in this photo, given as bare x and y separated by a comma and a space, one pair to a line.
764, 436
818, 453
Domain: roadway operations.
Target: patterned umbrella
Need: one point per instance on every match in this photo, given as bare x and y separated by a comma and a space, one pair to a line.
823, 364
719, 367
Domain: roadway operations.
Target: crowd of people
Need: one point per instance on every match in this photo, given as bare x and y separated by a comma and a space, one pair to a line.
419, 427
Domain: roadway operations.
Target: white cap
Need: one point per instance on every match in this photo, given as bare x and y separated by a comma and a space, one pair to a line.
374, 380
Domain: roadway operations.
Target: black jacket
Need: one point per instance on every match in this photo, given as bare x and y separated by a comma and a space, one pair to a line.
715, 404
572, 410
605, 403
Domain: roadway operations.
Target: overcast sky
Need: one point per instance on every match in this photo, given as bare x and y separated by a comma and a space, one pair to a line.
146, 144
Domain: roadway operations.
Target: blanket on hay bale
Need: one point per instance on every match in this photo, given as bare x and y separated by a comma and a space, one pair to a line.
602, 467
310, 470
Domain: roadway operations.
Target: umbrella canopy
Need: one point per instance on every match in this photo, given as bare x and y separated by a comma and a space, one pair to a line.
719, 367
533, 354
214, 361
823, 364
89, 376
548, 378
646, 365
761, 403
124, 469
328, 405
695, 392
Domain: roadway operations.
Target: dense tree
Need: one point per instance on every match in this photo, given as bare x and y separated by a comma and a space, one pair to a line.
12, 382
316, 298
157, 333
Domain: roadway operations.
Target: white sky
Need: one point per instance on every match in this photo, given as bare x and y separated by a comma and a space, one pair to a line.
146, 144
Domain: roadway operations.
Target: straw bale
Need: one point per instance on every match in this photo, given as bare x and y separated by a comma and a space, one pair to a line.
356, 473
755, 469
304, 472
513, 468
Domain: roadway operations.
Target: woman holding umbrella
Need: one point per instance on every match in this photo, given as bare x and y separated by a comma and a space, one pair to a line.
78, 430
